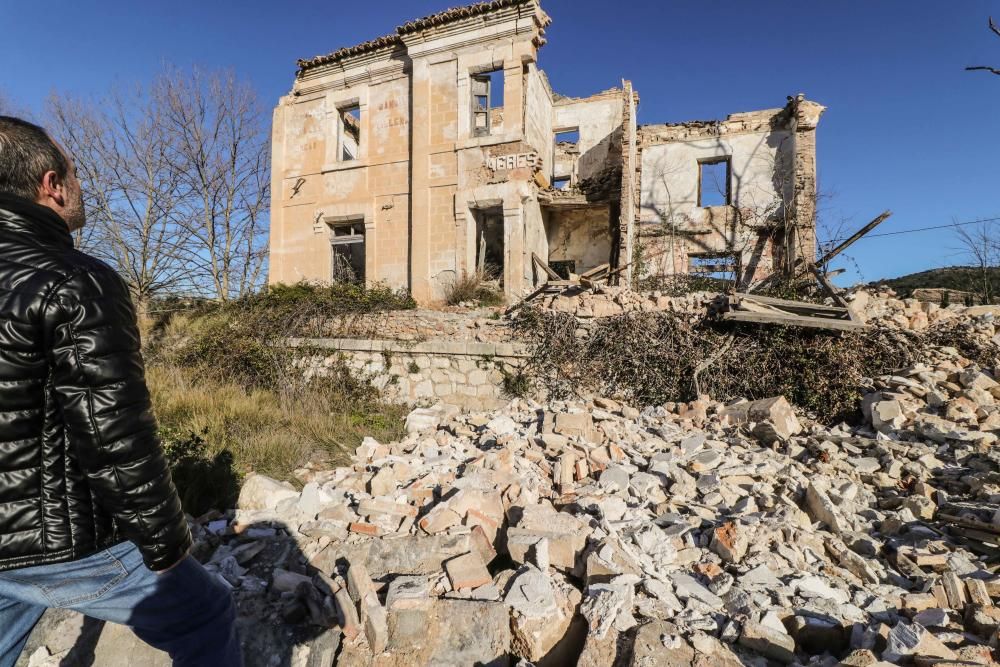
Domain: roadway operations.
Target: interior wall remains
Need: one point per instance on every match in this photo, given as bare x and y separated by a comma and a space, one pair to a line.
581, 235
599, 121
674, 228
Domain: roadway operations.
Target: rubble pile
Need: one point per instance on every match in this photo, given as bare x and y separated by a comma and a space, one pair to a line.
883, 306
612, 301
682, 534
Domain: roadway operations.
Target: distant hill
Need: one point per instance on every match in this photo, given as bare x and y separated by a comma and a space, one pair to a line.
964, 278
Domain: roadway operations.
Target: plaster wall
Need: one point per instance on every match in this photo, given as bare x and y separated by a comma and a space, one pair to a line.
539, 117
675, 225
580, 234
599, 120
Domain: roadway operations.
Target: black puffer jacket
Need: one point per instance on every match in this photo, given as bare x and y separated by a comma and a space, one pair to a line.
80, 464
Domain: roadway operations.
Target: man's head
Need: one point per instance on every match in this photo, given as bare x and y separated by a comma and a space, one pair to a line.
35, 167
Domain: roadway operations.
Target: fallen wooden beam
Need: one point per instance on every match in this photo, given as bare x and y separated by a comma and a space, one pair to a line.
828, 287
849, 241
545, 267
793, 320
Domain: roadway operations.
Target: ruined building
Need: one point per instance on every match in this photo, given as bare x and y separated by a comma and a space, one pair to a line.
440, 149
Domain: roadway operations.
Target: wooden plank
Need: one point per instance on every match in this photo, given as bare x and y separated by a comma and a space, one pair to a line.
793, 320
526, 299
828, 287
785, 303
597, 270
849, 241
545, 267
969, 523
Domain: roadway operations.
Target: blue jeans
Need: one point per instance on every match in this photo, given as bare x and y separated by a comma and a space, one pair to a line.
185, 612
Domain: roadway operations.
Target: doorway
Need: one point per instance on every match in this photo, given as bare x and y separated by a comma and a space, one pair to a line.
489, 243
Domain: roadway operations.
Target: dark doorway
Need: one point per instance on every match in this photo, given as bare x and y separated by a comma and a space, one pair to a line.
489, 243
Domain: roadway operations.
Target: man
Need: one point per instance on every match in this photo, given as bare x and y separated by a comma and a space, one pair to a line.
89, 517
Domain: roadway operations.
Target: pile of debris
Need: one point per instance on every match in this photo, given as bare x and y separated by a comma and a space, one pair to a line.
682, 534
597, 533
612, 301
885, 307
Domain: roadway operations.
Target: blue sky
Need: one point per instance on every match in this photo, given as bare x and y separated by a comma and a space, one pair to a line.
907, 129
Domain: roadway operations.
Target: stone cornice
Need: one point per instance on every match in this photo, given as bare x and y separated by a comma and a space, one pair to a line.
421, 30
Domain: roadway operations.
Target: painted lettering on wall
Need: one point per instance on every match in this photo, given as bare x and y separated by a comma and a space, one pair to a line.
512, 161
390, 122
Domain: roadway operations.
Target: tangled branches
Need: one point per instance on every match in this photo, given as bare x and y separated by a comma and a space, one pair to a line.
652, 358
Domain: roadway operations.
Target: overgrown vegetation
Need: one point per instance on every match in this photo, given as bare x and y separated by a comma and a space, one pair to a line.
477, 287
231, 397
651, 358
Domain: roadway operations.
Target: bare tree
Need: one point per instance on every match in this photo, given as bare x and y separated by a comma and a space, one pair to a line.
219, 146
132, 193
980, 246
986, 68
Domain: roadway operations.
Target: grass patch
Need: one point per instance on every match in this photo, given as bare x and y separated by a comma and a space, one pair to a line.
232, 398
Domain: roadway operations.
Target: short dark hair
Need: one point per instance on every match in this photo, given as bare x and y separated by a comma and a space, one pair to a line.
27, 152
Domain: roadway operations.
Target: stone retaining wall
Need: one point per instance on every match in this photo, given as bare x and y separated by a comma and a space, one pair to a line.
468, 374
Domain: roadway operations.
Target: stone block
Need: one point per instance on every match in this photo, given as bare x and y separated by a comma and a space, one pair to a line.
260, 492
467, 571
768, 642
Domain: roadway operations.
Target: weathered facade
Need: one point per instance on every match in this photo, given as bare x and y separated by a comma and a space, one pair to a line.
439, 150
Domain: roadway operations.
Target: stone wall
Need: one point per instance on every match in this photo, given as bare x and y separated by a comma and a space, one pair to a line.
422, 324
468, 374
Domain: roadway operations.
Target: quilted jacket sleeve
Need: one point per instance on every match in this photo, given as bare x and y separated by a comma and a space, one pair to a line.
99, 384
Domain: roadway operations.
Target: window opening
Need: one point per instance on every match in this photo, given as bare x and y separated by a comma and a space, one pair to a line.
487, 102
350, 133
347, 246
719, 266
713, 182
568, 139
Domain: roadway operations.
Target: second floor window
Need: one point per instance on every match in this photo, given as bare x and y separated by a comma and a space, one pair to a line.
487, 103
350, 133
714, 177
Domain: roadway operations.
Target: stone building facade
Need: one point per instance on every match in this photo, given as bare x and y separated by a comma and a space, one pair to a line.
439, 150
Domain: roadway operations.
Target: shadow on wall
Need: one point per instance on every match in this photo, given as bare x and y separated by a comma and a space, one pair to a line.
718, 233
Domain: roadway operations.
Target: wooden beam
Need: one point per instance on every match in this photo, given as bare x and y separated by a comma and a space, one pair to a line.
793, 320
828, 286
799, 306
849, 241
545, 267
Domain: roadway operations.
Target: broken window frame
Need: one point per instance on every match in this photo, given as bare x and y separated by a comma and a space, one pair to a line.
570, 130
702, 163
726, 267
342, 132
570, 179
481, 88
343, 235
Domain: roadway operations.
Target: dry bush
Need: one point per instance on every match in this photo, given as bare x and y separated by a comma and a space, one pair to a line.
963, 337
230, 397
475, 288
650, 358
